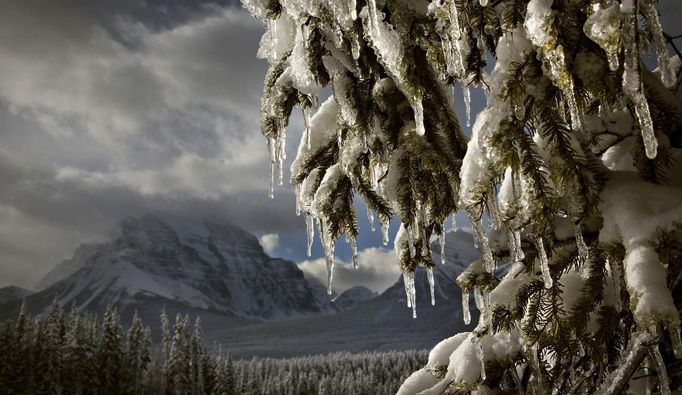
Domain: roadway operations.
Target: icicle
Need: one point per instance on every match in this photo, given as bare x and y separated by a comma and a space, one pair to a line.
410, 292
631, 83
451, 66
419, 115
615, 280
354, 252
310, 232
576, 114
544, 264
441, 241
481, 357
432, 285
664, 66
384, 232
272, 153
329, 259
632, 86
355, 48
478, 299
281, 154
487, 311
676, 340
488, 260
374, 19
454, 21
493, 213
646, 125
482, 304
466, 313
583, 250
663, 381
511, 241
299, 203
306, 122
467, 103
454, 223
370, 218
483, 3
352, 8
454, 45
603, 27
519, 247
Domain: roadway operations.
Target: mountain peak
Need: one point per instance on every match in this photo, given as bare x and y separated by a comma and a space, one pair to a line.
205, 264
146, 231
352, 297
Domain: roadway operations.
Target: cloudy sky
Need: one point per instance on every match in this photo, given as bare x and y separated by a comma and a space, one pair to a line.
113, 108
123, 107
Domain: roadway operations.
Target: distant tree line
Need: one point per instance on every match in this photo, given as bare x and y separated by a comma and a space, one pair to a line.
57, 353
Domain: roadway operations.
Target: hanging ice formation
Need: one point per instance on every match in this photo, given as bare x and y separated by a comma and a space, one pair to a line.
466, 313
540, 29
544, 264
632, 85
432, 285
603, 27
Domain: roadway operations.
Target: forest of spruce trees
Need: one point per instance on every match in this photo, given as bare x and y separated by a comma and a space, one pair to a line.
76, 353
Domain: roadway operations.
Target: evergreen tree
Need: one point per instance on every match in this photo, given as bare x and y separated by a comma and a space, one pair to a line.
6, 356
56, 330
571, 163
75, 358
18, 353
165, 352
110, 355
198, 361
225, 382
101, 362
137, 355
179, 363
148, 382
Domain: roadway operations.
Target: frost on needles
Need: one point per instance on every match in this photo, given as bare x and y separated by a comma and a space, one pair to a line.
572, 161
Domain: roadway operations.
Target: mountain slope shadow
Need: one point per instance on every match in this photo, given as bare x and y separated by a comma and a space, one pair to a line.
383, 323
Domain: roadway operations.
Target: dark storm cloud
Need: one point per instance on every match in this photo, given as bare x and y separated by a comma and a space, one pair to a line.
117, 108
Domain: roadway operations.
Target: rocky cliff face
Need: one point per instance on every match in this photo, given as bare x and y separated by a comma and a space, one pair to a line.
209, 265
382, 323
353, 297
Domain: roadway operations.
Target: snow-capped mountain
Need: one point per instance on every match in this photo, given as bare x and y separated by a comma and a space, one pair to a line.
382, 323
12, 293
69, 266
209, 265
352, 297
251, 303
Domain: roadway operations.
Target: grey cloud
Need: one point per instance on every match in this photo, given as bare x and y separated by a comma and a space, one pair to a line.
93, 129
377, 270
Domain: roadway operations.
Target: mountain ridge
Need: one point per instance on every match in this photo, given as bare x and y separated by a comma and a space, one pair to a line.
212, 265
220, 272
